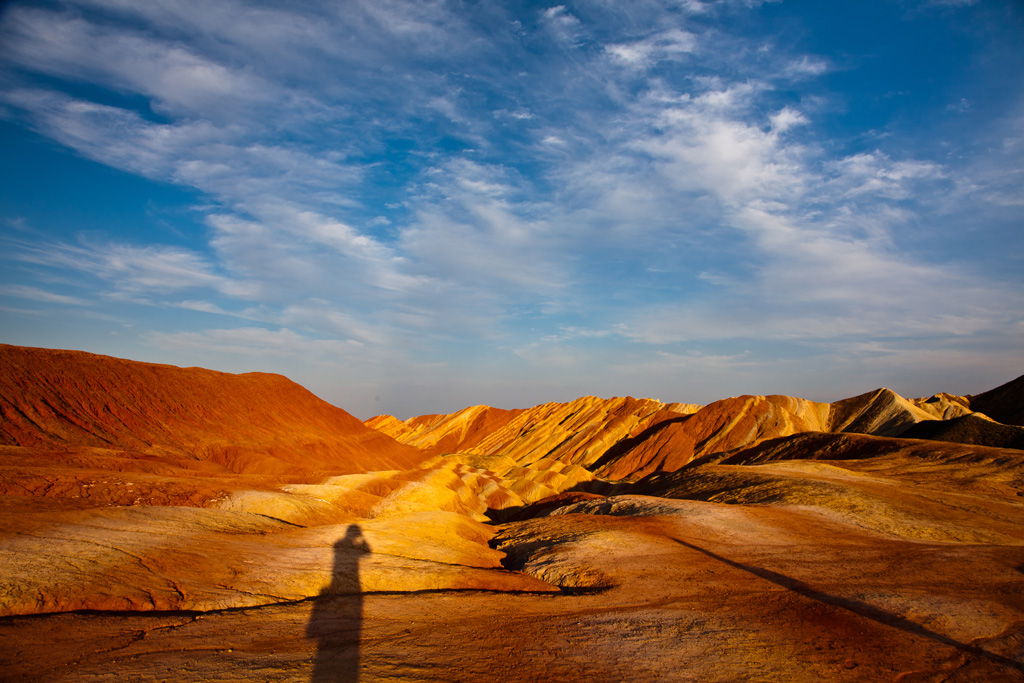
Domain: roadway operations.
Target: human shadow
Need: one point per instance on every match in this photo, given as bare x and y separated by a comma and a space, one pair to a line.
337, 618
860, 608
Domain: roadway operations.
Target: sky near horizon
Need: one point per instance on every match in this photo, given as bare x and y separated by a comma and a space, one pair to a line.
411, 207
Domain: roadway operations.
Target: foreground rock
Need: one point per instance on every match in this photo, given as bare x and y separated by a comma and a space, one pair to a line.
656, 589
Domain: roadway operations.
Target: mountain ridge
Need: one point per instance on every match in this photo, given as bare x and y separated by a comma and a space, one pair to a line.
642, 436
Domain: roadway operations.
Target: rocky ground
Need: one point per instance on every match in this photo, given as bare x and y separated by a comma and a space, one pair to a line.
755, 539
655, 590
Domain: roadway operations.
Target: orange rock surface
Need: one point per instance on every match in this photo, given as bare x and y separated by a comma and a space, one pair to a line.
255, 423
627, 438
135, 486
615, 438
162, 523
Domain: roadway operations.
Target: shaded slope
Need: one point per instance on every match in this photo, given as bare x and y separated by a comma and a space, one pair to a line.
969, 429
249, 423
1004, 404
962, 466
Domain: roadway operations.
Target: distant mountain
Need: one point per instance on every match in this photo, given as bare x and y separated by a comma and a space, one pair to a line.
883, 412
628, 438
578, 433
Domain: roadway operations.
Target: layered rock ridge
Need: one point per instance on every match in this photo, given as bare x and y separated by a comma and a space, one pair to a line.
627, 438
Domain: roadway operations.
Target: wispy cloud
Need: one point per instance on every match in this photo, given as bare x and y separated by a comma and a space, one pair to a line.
435, 185
563, 24
178, 80
137, 269
36, 294
252, 341
671, 44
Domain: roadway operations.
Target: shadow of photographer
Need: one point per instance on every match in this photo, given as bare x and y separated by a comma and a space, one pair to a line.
337, 617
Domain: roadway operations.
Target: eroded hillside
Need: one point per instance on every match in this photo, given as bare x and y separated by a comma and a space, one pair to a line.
627, 438
255, 423
162, 523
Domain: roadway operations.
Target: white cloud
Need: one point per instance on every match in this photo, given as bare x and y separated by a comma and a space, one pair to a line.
177, 79
137, 270
786, 118
667, 45
36, 294
470, 232
253, 341
819, 235
804, 67
707, 147
563, 24
203, 307
114, 136
876, 175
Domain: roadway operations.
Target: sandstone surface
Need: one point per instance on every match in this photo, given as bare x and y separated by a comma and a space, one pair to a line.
627, 438
254, 423
169, 524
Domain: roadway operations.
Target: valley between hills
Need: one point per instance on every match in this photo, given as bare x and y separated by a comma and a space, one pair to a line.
179, 524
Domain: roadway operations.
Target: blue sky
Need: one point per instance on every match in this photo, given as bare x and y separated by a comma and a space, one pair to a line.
411, 207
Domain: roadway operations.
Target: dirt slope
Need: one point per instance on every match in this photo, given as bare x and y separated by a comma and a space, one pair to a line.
249, 423
1004, 404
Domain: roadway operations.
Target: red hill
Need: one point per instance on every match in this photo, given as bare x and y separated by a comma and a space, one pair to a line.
253, 423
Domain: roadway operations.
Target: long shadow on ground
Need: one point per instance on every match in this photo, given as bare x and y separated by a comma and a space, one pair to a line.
860, 608
337, 618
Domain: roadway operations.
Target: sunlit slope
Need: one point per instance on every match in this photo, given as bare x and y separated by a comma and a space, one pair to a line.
620, 437
883, 412
133, 486
626, 438
578, 432
437, 434
249, 423
719, 426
